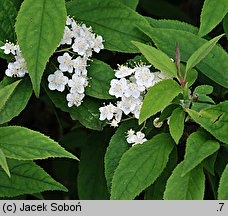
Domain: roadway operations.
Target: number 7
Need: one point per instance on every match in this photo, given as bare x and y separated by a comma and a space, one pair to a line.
222, 204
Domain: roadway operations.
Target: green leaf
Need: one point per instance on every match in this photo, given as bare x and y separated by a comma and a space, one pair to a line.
222, 159
223, 185
197, 149
24, 144
189, 187
214, 66
8, 15
225, 25
209, 163
199, 106
157, 97
172, 24
87, 113
156, 190
68, 139
167, 111
39, 27
7, 81
212, 193
116, 22
118, 145
140, 166
157, 58
39, 196
26, 178
3, 163
100, 75
176, 124
214, 119
130, 3
6, 92
201, 53
91, 178
211, 15
16, 100
203, 91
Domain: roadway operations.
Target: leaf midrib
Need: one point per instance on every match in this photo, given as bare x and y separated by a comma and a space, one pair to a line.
10, 95
39, 41
27, 177
144, 162
2, 145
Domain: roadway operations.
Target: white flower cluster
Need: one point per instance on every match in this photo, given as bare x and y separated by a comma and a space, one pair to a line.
130, 86
18, 67
135, 138
72, 72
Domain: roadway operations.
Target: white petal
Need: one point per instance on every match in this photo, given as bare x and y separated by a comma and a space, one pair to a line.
51, 86
61, 88
63, 67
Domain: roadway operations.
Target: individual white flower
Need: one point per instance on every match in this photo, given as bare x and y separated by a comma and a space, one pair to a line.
18, 53
79, 65
114, 123
69, 21
76, 29
67, 36
137, 110
78, 83
118, 87
134, 90
9, 48
98, 44
162, 75
130, 132
66, 63
156, 79
157, 123
13, 70
118, 114
123, 71
80, 46
74, 99
134, 139
57, 81
88, 53
22, 63
131, 136
139, 138
159, 76
128, 104
107, 112
143, 76
90, 37
86, 31
111, 112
